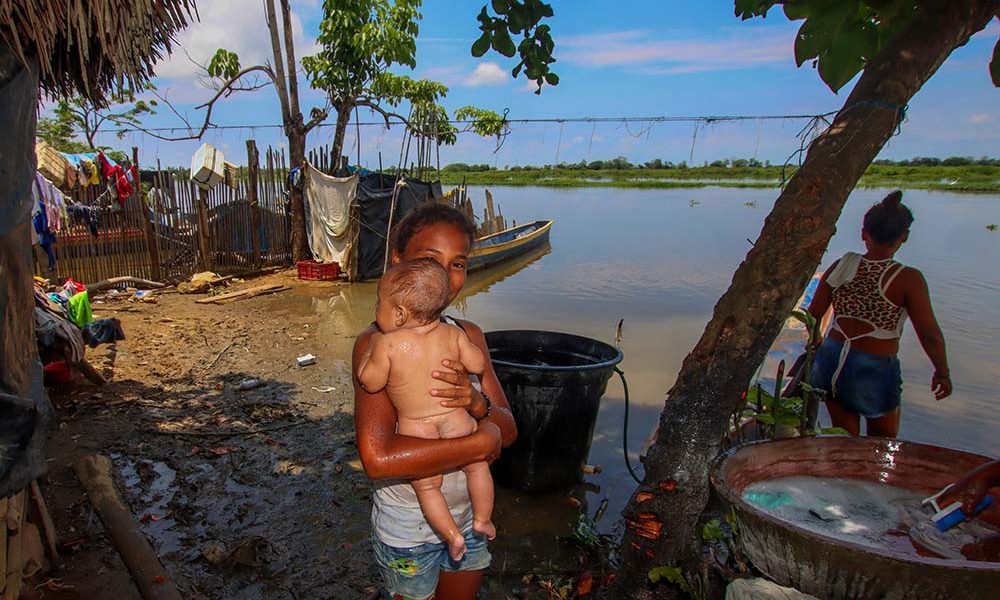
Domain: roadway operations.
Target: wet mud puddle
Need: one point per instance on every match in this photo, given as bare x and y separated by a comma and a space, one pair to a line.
876, 515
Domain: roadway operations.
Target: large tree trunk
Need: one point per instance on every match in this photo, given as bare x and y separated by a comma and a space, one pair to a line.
662, 514
296, 156
22, 399
343, 119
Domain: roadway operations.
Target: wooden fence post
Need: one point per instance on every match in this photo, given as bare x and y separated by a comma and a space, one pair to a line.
253, 175
149, 213
204, 242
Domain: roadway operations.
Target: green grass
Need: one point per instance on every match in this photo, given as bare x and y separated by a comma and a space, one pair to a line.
975, 179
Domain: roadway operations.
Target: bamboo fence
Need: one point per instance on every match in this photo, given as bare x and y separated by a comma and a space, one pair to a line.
170, 229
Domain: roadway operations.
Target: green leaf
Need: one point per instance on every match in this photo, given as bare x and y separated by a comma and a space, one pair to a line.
804, 317
843, 61
517, 69
747, 9
482, 45
995, 65
797, 10
672, 574
789, 420
552, 79
834, 431
503, 44
766, 419
712, 531
500, 6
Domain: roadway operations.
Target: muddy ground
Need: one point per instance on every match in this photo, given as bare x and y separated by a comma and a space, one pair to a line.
257, 493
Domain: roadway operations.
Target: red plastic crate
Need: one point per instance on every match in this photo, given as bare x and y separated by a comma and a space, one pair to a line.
310, 269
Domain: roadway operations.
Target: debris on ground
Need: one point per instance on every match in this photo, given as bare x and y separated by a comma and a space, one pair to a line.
200, 283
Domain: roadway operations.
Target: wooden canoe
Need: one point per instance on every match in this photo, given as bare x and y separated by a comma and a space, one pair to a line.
491, 249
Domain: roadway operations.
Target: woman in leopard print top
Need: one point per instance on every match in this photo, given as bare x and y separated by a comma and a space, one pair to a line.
872, 295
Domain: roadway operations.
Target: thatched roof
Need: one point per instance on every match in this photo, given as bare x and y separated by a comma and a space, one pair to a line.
92, 46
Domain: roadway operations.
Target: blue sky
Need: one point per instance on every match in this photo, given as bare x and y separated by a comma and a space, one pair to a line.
636, 58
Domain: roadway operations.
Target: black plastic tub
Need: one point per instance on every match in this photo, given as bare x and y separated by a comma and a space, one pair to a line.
554, 383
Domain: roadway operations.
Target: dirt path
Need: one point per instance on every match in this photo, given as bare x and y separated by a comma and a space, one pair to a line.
272, 514
279, 508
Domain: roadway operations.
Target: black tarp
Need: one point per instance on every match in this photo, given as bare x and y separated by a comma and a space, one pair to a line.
374, 202
24, 408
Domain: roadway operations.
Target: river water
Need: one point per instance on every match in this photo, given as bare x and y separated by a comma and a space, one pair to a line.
659, 259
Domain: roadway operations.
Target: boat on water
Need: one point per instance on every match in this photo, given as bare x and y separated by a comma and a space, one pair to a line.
491, 249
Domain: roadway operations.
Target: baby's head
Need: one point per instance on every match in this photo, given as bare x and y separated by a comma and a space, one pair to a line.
410, 294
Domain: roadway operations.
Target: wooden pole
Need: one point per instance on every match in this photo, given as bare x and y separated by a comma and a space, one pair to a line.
149, 214
253, 175
149, 575
203, 238
14, 527
48, 527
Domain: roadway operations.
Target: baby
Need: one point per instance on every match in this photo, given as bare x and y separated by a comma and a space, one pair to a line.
411, 343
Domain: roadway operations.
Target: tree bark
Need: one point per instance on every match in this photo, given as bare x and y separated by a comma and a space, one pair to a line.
662, 515
343, 120
296, 156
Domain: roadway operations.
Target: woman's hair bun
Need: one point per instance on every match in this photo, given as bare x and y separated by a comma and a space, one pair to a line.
893, 200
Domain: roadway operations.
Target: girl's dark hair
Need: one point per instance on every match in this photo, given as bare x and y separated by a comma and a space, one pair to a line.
888, 220
426, 214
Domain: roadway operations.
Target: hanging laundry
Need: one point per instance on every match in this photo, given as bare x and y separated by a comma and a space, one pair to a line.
123, 188
88, 215
329, 200
107, 165
42, 234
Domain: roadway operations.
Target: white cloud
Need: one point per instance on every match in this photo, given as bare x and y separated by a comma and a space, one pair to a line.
236, 25
651, 54
981, 118
487, 73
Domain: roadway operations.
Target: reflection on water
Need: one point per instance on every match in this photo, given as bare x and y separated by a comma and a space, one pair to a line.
660, 259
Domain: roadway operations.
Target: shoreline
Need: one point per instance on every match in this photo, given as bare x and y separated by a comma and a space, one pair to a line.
967, 180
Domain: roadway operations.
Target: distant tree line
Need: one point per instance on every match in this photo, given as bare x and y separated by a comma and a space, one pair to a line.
621, 163
951, 161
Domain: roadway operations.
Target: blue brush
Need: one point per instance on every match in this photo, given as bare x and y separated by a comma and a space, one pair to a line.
951, 515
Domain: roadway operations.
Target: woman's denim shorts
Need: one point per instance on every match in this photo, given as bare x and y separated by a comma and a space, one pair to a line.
869, 385
412, 573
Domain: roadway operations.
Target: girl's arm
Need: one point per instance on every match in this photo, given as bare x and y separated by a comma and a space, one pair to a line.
917, 302
463, 395
386, 454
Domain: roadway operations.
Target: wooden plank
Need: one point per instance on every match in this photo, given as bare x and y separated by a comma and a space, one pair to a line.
148, 214
15, 538
203, 240
150, 577
254, 294
3, 543
253, 175
48, 527
258, 289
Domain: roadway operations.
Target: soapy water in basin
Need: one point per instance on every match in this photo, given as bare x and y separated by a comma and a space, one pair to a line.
862, 512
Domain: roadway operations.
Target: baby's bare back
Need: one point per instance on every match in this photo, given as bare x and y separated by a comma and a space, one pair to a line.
414, 356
